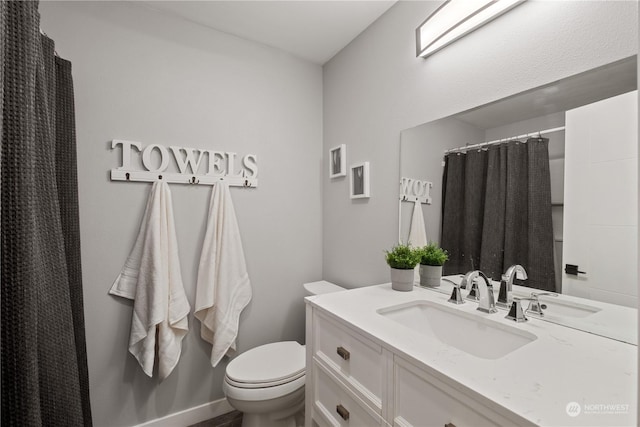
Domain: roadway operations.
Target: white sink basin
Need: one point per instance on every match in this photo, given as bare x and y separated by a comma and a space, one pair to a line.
556, 306
467, 332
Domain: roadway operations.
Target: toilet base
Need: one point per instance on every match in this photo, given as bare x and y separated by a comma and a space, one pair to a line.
285, 411
265, 420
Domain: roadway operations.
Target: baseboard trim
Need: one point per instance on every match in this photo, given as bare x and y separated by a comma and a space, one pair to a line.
192, 415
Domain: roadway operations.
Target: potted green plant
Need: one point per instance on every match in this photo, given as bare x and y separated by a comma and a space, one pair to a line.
402, 259
432, 258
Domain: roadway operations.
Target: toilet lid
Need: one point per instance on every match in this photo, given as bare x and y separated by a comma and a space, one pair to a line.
269, 363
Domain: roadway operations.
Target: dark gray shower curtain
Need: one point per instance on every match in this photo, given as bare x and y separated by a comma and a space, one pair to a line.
497, 211
44, 366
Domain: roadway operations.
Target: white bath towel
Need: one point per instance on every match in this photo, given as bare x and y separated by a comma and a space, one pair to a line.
151, 277
417, 233
223, 288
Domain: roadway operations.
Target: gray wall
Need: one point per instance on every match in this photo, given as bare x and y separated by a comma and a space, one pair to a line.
376, 87
145, 76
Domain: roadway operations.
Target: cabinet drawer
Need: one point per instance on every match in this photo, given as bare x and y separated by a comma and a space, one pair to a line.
421, 400
334, 406
357, 361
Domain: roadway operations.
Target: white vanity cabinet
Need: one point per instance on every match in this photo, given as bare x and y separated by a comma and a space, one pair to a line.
347, 375
366, 368
354, 381
419, 399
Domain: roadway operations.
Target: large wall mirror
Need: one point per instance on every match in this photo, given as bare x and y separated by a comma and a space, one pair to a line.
592, 178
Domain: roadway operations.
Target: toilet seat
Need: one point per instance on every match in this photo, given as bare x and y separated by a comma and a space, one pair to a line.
266, 372
263, 384
268, 365
262, 393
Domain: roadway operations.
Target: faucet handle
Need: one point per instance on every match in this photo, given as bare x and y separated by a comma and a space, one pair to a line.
541, 294
535, 307
515, 313
456, 295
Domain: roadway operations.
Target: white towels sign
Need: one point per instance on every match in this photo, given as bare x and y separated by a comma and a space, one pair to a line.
412, 190
151, 163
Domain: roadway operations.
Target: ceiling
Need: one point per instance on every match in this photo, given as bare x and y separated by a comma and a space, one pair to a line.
310, 29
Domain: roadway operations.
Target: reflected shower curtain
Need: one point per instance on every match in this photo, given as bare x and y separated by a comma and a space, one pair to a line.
497, 211
44, 366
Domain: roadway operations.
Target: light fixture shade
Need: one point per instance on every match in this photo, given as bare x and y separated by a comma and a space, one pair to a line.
455, 19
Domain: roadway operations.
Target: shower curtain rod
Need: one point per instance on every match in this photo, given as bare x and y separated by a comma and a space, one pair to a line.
497, 141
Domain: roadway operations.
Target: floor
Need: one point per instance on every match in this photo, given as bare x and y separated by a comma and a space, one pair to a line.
231, 419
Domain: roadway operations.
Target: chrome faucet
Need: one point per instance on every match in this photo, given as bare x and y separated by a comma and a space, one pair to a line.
505, 297
486, 301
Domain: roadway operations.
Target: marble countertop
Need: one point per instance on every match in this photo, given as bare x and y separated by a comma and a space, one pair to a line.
536, 382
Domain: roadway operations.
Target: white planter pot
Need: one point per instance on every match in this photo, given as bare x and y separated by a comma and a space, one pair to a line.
401, 279
430, 275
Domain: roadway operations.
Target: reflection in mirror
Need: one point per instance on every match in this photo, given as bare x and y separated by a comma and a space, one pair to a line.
587, 183
497, 210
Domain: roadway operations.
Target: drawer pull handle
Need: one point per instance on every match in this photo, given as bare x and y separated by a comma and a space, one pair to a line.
344, 353
342, 411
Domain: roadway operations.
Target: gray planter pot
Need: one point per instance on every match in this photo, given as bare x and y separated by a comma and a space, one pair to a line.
402, 280
430, 275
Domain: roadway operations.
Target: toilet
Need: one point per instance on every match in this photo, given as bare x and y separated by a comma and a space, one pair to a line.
266, 383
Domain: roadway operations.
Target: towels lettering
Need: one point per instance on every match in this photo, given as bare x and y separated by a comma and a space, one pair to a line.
415, 189
156, 158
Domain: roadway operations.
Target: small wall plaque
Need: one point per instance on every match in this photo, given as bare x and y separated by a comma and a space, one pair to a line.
360, 180
338, 161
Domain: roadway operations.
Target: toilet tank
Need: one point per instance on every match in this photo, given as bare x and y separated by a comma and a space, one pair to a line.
321, 287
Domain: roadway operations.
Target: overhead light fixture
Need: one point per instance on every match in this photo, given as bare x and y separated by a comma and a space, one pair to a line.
455, 19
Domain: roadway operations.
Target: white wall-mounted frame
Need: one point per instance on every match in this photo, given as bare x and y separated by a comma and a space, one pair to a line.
359, 180
338, 161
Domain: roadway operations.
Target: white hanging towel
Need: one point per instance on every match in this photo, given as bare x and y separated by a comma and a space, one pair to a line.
417, 233
151, 277
223, 288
